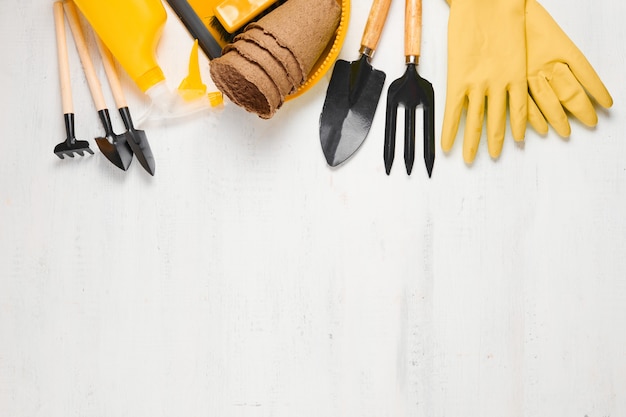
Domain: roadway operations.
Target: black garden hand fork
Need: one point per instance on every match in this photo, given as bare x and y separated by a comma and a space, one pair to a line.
411, 90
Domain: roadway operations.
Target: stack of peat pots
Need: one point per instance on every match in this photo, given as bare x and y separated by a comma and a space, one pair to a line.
273, 56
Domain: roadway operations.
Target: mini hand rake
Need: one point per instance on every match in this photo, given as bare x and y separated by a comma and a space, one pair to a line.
70, 145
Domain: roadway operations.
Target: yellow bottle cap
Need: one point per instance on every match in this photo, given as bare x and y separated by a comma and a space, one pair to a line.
150, 78
216, 98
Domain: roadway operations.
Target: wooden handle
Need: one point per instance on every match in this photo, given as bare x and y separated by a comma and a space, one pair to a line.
83, 52
413, 28
375, 22
64, 62
112, 76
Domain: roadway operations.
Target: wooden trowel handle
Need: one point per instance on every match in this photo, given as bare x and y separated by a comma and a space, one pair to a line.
413, 28
112, 76
375, 22
64, 66
83, 52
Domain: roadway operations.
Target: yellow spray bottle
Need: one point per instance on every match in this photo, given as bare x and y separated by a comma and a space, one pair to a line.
131, 29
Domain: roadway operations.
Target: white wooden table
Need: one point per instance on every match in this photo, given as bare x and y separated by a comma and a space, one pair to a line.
249, 279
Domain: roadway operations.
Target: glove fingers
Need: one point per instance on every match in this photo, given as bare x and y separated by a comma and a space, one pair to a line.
518, 109
572, 96
589, 79
496, 122
473, 125
535, 118
549, 105
451, 118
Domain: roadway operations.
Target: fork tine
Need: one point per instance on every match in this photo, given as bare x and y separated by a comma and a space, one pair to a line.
429, 135
409, 138
390, 134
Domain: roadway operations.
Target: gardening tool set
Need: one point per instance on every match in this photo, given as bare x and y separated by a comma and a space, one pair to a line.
504, 57
117, 148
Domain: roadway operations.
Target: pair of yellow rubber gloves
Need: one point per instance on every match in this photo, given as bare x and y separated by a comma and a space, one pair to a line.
512, 51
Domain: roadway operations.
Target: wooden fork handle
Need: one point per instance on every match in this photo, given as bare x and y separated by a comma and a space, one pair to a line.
413, 28
64, 66
375, 23
83, 52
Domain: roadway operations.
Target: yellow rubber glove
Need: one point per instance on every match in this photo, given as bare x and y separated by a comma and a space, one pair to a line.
486, 62
558, 75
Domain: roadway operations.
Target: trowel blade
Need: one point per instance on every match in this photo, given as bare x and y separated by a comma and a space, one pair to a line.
351, 101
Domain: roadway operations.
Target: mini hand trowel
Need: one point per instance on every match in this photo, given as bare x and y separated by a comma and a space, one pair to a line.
353, 94
114, 147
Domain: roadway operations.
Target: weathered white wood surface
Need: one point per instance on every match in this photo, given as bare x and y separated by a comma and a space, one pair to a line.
249, 279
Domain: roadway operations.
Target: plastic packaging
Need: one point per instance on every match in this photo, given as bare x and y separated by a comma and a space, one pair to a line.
131, 29
167, 106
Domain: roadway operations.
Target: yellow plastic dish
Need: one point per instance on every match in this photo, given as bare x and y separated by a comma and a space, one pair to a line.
205, 9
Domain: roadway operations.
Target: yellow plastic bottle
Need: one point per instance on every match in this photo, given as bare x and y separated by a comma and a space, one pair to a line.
131, 29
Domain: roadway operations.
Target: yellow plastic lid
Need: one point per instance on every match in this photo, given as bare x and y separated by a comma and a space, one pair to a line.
233, 14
